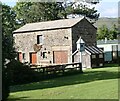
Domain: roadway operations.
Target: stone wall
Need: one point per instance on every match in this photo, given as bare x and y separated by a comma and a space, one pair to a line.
60, 38
86, 31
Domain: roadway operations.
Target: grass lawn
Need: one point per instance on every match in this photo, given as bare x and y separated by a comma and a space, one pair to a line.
100, 83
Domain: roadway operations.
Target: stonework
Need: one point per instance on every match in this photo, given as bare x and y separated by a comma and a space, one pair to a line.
60, 39
87, 32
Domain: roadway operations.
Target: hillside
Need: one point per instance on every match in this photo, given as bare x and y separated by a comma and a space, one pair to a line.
109, 22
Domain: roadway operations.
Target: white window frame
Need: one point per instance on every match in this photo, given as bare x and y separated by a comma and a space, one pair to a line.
40, 39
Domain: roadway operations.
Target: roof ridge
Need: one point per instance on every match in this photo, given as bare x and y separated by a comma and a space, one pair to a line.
57, 20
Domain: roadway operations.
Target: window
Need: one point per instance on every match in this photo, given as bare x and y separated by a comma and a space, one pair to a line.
100, 55
93, 56
81, 46
19, 57
44, 55
39, 39
23, 55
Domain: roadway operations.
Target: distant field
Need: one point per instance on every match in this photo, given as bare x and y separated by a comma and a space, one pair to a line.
100, 83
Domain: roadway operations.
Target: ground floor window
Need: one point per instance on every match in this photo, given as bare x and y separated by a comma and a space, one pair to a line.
21, 56
44, 55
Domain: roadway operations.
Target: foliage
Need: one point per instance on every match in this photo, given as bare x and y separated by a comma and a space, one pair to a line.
81, 9
8, 26
8, 52
114, 32
28, 12
104, 32
20, 73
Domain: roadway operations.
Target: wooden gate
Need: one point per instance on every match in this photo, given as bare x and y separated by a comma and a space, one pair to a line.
33, 58
60, 57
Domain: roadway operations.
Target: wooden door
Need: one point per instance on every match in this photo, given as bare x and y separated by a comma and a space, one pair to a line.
33, 58
60, 57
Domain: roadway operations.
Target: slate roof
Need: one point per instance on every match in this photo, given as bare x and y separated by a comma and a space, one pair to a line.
93, 49
64, 23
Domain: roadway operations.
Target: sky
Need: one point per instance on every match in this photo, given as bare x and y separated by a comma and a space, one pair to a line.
106, 8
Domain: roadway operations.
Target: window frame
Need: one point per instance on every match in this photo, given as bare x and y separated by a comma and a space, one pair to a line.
39, 39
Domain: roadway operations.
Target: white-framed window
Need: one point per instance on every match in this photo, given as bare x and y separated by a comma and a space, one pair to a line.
39, 39
44, 55
93, 56
100, 55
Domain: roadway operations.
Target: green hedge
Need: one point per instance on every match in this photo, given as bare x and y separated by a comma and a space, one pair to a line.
20, 73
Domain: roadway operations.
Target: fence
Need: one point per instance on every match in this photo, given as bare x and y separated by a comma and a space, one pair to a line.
57, 68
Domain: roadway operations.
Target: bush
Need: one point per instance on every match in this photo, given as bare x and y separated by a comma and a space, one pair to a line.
20, 73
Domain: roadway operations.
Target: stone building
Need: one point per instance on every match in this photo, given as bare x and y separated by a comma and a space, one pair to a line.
52, 42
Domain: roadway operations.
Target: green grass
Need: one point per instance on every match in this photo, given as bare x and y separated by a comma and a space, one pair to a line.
100, 83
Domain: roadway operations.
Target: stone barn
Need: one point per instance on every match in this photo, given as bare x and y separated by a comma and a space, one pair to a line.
52, 42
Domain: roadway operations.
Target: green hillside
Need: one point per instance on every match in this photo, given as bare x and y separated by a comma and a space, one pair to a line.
109, 22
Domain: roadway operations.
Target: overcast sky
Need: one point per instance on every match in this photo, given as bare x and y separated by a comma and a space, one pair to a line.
106, 8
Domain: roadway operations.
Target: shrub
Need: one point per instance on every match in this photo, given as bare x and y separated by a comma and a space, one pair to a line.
20, 73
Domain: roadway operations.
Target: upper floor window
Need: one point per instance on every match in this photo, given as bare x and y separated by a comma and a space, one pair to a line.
39, 39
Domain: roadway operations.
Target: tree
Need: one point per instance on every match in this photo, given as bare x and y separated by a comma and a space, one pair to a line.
114, 32
78, 8
8, 52
103, 32
28, 12
109, 33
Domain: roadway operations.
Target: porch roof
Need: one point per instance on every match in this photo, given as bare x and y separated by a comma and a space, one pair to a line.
93, 49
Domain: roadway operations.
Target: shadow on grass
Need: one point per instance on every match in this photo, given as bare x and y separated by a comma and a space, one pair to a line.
110, 65
87, 76
15, 99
